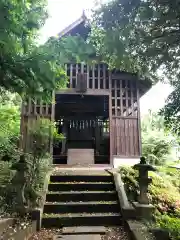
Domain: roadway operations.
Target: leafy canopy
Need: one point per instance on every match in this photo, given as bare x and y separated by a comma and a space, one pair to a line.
9, 126
139, 35
22, 68
26, 68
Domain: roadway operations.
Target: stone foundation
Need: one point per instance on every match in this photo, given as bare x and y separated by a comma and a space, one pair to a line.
80, 157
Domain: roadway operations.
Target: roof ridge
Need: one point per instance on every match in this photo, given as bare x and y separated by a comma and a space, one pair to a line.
80, 20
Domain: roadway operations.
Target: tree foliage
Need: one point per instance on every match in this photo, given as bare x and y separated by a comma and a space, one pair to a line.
157, 143
25, 67
139, 35
9, 130
20, 62
171, 111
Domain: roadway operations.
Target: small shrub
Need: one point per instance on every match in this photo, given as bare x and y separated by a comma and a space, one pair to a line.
129, 176
171, 224
163, 194
6, 176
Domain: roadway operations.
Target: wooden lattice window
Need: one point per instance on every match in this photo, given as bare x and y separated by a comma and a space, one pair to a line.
97, 75
124, 98
35, 107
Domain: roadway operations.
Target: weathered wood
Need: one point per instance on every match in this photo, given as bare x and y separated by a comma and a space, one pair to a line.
32, 109
125, 137
139, 121
81, 86
124, 112
110, 119
92, 92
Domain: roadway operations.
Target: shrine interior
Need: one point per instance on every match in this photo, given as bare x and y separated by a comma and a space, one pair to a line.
84, 121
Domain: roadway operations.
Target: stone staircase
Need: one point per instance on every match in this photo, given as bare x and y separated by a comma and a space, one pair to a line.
81, 198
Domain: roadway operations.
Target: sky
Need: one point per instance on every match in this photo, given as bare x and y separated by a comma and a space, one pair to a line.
63, 12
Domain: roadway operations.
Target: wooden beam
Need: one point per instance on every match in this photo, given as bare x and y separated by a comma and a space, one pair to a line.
139, 121
103, 92
110, 118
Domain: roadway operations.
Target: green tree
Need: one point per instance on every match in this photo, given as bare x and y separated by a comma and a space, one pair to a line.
22, 67
9, 126
25, 67
157, 142
139, 35
172, 109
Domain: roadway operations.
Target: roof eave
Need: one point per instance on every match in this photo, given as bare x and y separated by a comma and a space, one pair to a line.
79, 21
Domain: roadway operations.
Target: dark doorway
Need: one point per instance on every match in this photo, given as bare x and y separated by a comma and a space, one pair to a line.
84, 120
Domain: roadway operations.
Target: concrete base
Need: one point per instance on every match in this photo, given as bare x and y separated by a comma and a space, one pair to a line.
138, 231
118, 162
144, 211
80, 156
37, 216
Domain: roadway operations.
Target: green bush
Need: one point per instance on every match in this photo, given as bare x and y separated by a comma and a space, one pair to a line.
163, 193
156, 147
157, 143
171, 224
6, 175
129, 176
9, 131
171, 174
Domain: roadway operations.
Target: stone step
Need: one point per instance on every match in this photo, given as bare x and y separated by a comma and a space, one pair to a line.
83, 230
79, 207
81, 196
59, 160
81, 178
78, 186
81, 219
78, 237
82, 170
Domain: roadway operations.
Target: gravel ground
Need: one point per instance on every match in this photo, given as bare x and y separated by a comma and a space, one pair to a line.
112, 234
116, 233
46, 234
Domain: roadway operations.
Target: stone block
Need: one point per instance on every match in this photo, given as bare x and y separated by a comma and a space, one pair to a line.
143, 211
80, 157
79, 237
84, 230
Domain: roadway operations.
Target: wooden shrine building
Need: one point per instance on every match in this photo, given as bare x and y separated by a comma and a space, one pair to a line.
98, 113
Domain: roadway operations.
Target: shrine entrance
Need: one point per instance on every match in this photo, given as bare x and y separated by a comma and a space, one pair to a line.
84, 121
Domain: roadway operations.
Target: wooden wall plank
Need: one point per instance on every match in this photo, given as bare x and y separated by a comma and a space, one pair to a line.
132, 97
88, 76
104, 76
125, 137
139, 140
111, 124
99, 80
93, 76
71, 76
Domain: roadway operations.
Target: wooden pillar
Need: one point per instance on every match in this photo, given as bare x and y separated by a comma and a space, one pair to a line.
65, 133
97, 136
110, 119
